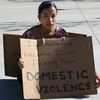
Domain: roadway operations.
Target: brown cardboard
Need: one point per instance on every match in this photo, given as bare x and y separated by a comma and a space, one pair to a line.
29, 54
70, 59
75, 35
11, 47
64, 66
11, 55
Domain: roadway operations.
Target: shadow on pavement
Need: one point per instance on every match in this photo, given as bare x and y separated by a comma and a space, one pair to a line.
81, 97
10, 89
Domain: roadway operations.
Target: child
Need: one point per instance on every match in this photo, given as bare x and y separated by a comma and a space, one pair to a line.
47, 15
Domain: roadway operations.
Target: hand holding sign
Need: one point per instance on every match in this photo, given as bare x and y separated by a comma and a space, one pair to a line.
98, 79
20, 63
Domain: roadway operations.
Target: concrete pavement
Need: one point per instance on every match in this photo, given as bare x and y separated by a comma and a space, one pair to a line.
74, 16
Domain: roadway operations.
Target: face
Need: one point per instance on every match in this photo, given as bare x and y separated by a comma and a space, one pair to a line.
48, 18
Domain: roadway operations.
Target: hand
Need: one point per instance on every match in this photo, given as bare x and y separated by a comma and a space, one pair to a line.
98, 79
20, 63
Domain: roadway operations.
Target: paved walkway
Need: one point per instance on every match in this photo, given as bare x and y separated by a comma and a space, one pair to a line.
74, 16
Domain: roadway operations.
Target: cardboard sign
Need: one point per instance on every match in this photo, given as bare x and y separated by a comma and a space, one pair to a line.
58, 68
30, 72
11, 48
11, 54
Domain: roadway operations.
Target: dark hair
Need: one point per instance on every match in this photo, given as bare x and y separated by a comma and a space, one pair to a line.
44, 5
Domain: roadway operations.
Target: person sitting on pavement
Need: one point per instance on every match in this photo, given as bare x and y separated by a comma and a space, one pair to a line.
47, 15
